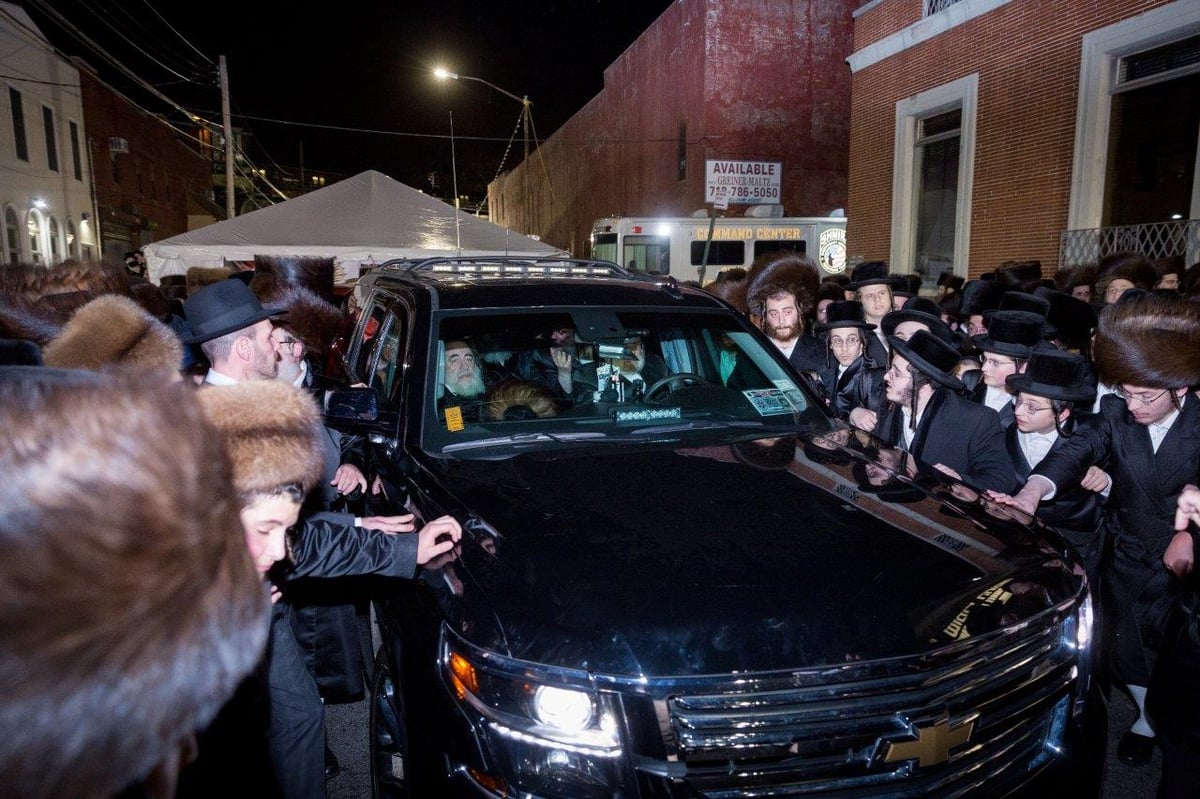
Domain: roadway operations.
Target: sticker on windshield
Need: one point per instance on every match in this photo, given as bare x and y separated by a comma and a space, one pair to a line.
454, 419
771, 401
793, 393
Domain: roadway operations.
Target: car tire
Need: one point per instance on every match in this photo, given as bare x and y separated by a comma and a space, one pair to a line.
391, 767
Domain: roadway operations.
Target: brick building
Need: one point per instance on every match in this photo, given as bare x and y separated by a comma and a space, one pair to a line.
993, 130
149, 178
761, 81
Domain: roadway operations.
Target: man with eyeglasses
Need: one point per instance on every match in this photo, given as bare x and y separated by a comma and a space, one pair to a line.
1049, 391
851, 382
1148, 435
1006, 346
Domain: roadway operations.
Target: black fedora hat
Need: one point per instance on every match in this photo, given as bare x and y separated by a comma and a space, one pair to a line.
931, 356
1011, 333
923, 310
979, 296
1056, 375
845, 313
1033, 303
1071, 319
223, 307
870, 273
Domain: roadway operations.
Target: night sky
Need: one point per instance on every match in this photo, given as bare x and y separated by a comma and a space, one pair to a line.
367, 66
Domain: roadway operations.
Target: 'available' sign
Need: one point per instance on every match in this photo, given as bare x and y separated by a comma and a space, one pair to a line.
743, 182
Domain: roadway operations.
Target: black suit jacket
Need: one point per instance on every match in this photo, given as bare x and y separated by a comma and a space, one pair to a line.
1074, 511
860, 386
808, 355
1145, 484
957, 433
876, 352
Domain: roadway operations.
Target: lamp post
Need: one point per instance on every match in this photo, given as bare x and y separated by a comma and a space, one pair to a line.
446, 74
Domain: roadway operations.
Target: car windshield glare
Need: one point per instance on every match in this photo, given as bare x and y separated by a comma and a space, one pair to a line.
552, 376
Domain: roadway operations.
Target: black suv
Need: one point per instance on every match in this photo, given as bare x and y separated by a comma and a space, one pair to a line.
679, 576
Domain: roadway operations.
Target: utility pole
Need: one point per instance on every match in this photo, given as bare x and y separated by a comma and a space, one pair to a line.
227, 123
526, 165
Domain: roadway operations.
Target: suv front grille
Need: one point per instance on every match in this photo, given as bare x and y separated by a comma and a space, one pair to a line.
831, 732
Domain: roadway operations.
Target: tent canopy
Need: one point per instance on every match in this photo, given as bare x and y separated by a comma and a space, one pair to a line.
365, 219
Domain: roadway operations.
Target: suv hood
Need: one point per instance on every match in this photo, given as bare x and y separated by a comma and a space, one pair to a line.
689, 561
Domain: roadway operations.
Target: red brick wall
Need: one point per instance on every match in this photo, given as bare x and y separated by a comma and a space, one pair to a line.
881, 20
169, 167
1027, 56
761, 80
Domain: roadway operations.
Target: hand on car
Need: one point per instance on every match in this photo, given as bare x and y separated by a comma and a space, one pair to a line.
863, 419
404, 523
438, 537
347, 478
1180, 555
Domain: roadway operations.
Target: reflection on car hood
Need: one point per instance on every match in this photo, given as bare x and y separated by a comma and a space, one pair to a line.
752, 556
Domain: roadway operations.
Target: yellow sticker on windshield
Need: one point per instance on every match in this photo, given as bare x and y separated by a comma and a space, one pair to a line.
454, 420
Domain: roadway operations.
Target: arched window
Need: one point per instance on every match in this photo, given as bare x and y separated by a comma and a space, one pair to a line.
55, 243
12, 236
33, 223
72, 240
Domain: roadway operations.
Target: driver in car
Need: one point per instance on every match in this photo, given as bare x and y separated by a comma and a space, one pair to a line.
626, 379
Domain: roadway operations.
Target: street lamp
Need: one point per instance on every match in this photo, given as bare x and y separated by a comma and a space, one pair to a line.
445, 74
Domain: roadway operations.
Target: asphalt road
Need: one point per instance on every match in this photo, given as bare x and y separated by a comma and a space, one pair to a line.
347, 725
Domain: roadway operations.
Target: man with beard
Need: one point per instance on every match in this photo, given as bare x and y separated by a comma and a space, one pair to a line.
781, 294
234, 331
926, 416
464, 388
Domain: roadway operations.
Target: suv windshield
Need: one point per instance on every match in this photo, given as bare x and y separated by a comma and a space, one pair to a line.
505, 379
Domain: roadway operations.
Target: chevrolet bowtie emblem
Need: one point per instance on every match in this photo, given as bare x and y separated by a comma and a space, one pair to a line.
933, 743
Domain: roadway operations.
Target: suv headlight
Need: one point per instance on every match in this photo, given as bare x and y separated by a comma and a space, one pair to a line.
1078, 634
551, 739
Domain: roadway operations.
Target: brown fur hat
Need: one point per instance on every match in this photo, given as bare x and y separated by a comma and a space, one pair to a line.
1151, 341
774, 272
313, 320
200, 276
113, 330
272, 432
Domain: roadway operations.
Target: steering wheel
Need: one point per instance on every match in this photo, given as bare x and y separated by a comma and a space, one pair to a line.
673, 383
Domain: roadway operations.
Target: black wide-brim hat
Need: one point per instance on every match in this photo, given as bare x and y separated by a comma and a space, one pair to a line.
223, 307
931, 356
1011, 333
1056, 375
925, 311
844, 313
870, 273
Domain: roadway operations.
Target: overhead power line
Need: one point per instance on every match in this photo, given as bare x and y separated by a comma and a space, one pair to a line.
140, 48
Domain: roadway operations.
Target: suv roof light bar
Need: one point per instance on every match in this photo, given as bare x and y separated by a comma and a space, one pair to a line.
507, 266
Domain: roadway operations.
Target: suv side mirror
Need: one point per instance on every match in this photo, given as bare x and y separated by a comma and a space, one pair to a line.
351, 405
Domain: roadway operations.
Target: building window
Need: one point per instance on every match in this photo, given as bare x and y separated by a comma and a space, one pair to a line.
934, 157
51, 141
18, 122
72, 240
681, 152
55, 244
33, 225
76, 160
12, 236
934, 6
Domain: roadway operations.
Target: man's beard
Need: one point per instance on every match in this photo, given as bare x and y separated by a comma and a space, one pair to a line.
905, 398
468, 385
783, 333
631, 366
266, 364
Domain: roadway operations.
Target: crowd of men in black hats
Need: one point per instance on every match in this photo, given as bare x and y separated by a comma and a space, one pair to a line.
1074, 399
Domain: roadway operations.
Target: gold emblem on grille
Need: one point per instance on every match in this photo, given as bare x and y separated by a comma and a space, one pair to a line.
933, 743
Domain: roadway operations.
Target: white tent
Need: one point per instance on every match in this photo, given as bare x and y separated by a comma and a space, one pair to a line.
365, 219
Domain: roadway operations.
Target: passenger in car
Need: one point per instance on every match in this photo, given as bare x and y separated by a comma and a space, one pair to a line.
518, 400
463, 383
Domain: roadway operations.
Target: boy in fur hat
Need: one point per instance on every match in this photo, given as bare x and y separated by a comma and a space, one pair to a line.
1149, 349
131, 611
272, 434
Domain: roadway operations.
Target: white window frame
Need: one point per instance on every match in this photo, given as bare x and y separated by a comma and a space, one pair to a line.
12, 246
36, 256
962, 94
1100, 56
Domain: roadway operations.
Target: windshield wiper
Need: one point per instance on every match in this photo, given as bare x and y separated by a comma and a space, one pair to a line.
520, 438
712, 424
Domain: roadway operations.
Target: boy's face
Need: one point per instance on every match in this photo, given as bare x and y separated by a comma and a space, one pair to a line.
265, 522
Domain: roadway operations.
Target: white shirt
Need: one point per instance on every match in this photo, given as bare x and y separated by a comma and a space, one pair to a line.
908, 431
215, 378
996, 398
1035, 446
787, 348
1158, 430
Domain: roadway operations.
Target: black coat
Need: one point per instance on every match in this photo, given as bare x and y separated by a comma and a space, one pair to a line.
860, 386
1074, 511
959, 434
